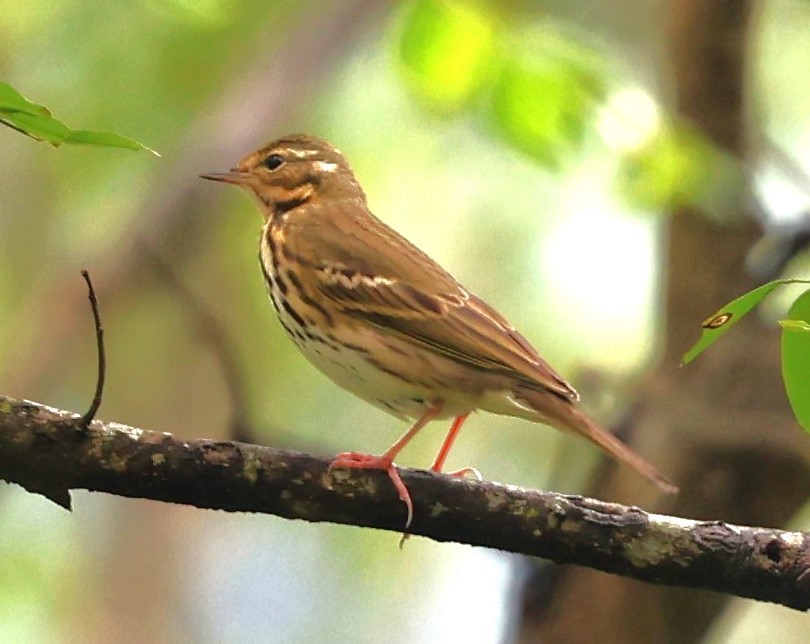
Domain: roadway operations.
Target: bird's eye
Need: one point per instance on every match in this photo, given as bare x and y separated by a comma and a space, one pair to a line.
273, 162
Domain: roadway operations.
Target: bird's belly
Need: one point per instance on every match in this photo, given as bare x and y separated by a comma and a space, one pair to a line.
356, 365
360, 359
351, 370
360, 373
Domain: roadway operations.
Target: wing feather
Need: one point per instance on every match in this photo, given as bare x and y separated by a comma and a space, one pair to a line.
459, 325
394, 286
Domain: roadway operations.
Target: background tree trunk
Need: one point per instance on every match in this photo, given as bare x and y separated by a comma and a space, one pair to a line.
731, 442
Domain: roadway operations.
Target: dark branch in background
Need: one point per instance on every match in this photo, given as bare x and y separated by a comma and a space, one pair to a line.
90, 414
213, 333
48, 452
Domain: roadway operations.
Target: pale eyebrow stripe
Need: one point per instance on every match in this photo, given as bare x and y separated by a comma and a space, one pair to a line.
299, 153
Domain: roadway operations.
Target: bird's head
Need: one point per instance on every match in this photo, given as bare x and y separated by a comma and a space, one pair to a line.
292, 171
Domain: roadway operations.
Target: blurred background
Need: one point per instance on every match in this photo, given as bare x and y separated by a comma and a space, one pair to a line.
605, 174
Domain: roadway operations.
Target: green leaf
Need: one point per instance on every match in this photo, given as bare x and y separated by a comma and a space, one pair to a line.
547, 93
447, 50
720, 322
12, 101
34, 120
796, 359
109, 139
39, 127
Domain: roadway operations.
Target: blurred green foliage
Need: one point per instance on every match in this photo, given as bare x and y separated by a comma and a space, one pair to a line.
547, 93
674, 168
448, 50
537, 85
541, 87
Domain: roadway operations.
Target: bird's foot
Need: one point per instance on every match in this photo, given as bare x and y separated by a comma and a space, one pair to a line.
360, 461
466, 471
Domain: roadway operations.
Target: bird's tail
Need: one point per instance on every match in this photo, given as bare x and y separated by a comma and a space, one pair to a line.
564, 415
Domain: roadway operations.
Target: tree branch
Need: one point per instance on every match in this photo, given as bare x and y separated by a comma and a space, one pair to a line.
50, 452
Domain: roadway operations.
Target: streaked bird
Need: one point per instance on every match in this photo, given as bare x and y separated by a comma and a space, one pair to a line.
385, 321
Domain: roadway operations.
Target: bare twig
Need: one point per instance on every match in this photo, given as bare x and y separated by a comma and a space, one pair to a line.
41, 450
90, 414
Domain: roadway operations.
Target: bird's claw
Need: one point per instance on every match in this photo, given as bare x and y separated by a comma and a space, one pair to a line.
466, 471
360, 461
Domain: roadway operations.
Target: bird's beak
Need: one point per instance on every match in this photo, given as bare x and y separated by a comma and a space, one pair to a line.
235, 176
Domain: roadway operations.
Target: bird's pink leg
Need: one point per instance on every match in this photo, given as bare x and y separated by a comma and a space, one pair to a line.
444, 450
385, 462
441, 457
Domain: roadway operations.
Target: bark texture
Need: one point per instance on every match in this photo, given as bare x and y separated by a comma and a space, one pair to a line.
51, 452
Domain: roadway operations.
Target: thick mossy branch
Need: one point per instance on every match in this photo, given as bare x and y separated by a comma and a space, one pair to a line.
51, 452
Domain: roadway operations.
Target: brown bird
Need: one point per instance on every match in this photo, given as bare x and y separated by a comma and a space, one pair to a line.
383, 320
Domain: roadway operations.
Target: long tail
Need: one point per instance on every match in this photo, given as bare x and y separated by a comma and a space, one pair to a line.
564, 415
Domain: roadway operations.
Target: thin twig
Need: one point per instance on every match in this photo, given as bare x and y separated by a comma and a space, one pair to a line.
90, 414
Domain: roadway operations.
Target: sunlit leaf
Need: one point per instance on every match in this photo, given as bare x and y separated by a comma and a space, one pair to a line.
37, 126
720, 322
109, 139
12, 101
35, 121
546, 95
446, 50
796, 359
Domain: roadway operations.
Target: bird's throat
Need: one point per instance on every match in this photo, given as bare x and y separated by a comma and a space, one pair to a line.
292, 198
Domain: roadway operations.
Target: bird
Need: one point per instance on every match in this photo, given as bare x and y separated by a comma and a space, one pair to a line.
385, 321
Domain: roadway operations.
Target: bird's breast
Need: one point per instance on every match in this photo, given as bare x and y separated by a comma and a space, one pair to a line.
385, 371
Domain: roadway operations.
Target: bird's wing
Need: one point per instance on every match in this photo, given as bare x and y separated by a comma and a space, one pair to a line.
460, 326
399, 289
